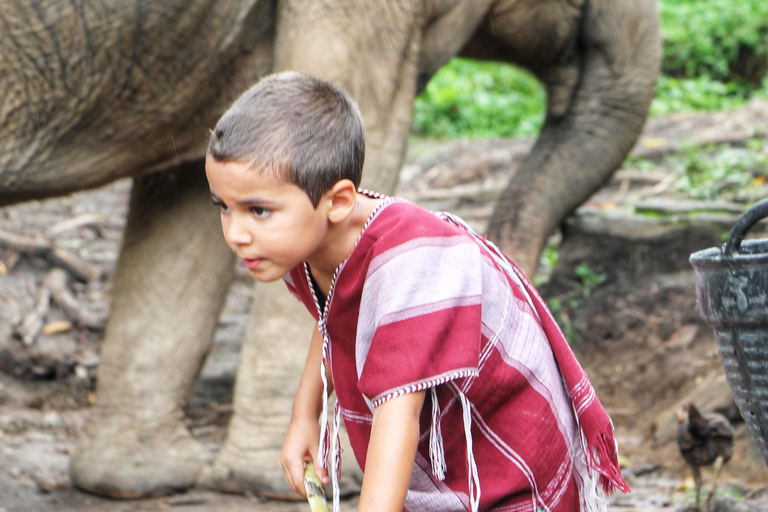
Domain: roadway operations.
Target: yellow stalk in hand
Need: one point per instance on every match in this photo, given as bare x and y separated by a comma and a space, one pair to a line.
315, 490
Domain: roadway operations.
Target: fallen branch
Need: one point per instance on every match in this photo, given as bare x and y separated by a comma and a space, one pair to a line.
57, 280
477, 192
86, 219
661, 135
657, 189
32, 323
55, 287
655, 148
77, 266
688, 205
8, 259
638, 175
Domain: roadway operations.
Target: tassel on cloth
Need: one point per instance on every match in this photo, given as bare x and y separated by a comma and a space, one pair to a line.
601, 450
474, 479
436, 449
336, 457
325, 441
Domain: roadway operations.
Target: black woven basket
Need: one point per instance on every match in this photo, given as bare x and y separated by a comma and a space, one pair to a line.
732, 291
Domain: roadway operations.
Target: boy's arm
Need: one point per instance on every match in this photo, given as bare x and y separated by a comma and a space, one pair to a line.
391, 453
303, 437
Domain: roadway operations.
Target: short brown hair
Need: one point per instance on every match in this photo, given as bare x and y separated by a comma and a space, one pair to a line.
304, 127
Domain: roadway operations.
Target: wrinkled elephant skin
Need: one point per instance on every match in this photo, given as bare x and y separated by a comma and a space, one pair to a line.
99, 90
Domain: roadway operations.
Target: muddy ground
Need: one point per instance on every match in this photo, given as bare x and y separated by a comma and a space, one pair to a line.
616, 276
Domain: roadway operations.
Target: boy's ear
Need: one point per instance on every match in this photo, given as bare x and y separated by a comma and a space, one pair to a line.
342, 199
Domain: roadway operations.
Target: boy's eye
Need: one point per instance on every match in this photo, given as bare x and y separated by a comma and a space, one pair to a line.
260, 212
221, 206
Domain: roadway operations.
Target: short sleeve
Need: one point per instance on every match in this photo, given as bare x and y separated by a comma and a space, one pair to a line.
420, 317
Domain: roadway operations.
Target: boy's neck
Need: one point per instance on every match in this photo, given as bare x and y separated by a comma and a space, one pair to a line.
340, 241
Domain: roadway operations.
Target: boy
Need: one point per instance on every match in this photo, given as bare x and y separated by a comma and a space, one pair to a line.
450, 374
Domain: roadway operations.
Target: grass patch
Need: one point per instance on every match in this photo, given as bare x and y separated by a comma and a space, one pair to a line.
479, 99
701, 93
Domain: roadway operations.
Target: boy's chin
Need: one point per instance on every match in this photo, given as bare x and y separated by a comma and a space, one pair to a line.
266, 278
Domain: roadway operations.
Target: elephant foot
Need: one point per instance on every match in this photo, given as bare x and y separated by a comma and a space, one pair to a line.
242, 470
124, 458
250, 463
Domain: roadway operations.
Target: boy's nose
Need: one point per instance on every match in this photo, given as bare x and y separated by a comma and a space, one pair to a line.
237, 235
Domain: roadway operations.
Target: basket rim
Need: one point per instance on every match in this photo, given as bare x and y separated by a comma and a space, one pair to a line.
756, 255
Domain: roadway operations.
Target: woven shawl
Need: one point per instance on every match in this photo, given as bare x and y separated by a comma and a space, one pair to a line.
511, 421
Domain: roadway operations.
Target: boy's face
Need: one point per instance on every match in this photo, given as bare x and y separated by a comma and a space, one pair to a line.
268, 222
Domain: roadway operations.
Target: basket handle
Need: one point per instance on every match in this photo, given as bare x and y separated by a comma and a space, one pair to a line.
749, 218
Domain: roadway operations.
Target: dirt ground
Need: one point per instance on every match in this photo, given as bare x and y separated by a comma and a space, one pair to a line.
632, 317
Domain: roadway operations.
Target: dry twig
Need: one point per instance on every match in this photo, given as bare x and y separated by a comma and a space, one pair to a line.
78, 267
55, 287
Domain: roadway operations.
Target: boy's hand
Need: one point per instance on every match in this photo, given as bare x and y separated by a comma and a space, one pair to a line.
300, 446
303, 437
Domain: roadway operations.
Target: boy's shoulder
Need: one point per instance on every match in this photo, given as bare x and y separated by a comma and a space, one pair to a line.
402, 223
410, 219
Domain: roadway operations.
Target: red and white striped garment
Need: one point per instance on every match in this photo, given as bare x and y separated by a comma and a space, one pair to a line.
511, 422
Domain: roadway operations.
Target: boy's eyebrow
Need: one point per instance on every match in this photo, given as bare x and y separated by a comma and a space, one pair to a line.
248, 202
257, 202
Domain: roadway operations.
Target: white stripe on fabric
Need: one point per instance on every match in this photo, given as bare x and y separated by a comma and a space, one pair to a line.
413, 276
426, 494
356, 417
556, 488
456, 302
424, 241
523, 345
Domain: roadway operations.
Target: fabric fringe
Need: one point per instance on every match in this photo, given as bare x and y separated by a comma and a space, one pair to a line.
436, 449
325, 441
474, 479
336, 457
603, 455
591, 494
596, 463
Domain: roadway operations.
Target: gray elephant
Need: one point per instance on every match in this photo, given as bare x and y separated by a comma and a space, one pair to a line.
98, 90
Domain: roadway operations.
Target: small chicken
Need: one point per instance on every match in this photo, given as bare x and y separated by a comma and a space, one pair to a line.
704, 439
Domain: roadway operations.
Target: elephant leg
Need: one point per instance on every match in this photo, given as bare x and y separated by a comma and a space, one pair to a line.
600, 85
271, 361
170, 283
345, 43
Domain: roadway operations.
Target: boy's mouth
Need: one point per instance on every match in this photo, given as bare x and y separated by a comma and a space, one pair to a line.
253, 263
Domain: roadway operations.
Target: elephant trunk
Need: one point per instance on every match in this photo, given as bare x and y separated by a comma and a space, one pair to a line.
577, 152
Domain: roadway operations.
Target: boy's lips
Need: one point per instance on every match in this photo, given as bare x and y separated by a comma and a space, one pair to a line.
253, 263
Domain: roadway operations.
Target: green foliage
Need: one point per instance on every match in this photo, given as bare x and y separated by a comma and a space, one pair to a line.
479, 99
639, 163
701, 93
563, 319
588, 279
705, 37
550, 255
